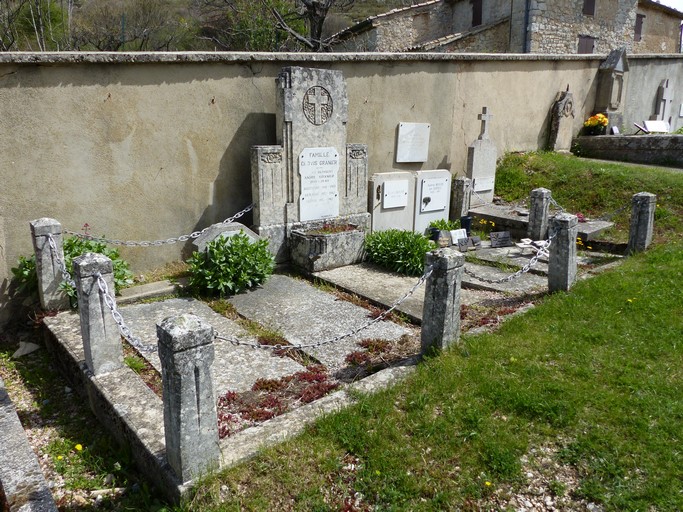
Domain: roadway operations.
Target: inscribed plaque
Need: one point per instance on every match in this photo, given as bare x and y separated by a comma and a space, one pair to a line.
318, 168
413, 142
395, 194
500, 239
458, 234
435, 194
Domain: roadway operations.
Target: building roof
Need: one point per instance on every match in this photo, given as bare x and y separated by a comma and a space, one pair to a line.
368, 23
665, 5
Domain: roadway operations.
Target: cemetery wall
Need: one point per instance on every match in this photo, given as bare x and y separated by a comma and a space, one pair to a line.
151, 146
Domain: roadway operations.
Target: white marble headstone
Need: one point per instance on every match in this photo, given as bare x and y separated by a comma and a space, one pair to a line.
413, 142
318, 168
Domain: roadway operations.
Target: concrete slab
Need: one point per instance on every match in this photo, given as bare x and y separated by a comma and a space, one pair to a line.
235, 368
525, 284
381, 287
305, 315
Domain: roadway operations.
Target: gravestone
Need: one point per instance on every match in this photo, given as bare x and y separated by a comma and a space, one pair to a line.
220, 229
391, 200
481, 163
665, 96
611, 87
562, 123
432, 197
312, 175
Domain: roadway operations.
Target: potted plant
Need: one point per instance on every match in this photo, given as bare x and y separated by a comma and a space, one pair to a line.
596, 125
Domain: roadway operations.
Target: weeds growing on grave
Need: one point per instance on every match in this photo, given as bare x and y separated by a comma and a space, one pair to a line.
27, 279
230, 265
398, 250
445, 224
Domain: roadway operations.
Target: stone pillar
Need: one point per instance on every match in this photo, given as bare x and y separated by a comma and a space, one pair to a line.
190, 421
101, 337
441, 314
462, 195
47, 267
539, 204
562, 260
643, 207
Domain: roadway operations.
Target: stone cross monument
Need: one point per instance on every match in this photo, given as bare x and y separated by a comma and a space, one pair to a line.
312, 175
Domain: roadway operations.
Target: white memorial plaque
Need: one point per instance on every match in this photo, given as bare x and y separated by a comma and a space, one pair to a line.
458, 234
413, 142
434, 194
482, 184
395, 194
318, 168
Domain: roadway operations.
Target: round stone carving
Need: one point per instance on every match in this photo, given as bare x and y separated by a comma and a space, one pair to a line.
318, 105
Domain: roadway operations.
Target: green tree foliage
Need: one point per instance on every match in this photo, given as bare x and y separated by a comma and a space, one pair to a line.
247, 25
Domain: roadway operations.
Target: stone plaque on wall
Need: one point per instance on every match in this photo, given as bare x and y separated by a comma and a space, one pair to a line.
435, 194
413, 142
318, 168
395, 194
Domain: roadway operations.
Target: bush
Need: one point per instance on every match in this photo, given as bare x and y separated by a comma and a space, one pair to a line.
400, 251
445, 224
230, 265
27, 278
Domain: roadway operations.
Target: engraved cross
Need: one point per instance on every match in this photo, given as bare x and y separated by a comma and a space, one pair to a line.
319, 100
485, 117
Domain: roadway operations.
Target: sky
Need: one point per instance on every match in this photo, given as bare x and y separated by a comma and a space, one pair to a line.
676, 4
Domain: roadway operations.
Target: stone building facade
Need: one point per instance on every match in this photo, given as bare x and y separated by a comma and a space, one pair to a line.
519, 26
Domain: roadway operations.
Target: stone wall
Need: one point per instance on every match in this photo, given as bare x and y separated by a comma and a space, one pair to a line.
661, 32
152, 146
557, 24
664, 150
494, 38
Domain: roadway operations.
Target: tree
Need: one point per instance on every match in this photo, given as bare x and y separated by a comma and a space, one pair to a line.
137, 25
42, 25
314, 12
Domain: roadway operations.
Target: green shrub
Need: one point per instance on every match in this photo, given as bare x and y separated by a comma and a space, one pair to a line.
230, 265
27, 278
445, 224
400, 251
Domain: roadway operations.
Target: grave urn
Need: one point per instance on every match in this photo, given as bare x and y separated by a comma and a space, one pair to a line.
327, 245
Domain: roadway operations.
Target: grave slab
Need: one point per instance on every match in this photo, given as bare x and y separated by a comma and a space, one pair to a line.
306, 315
235, 368
381, 287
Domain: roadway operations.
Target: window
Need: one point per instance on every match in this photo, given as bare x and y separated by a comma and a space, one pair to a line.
638, 36
589, 7
477, 11
586, 44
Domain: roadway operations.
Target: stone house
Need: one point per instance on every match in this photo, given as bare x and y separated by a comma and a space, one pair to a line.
519, 26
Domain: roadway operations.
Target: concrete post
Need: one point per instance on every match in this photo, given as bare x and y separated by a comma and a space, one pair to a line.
441, 313
101, 337
462, 195
190, 420
643, 207
539, 204
52, 298
562, 260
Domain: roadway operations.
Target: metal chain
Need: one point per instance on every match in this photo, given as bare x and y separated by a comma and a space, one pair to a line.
66, 277
336, 339
123, 328
556, 205
610, 216
492, 205
543, 250
156, 243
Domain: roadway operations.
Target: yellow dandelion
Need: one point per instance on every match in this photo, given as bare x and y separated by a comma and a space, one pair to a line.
79, 447
60, 457
488, 484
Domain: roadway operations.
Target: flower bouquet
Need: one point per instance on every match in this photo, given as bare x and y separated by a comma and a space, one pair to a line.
595, 125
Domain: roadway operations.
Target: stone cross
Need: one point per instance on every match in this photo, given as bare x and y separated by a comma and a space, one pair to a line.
665, 96
485, 117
